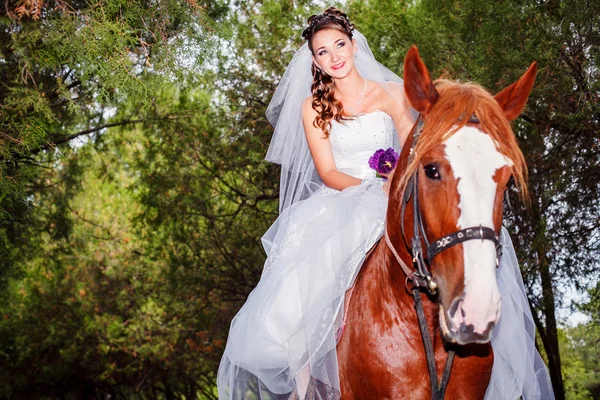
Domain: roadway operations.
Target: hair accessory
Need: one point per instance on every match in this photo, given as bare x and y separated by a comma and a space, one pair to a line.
333, 15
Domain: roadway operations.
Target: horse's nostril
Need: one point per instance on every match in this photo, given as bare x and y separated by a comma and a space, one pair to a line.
456, 318
456, 304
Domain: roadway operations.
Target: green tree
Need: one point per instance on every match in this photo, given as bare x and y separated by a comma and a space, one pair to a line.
66, 66
153, 231
579, 355
123, 314
69, 255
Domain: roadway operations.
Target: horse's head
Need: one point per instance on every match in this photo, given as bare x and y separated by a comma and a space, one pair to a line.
462, 161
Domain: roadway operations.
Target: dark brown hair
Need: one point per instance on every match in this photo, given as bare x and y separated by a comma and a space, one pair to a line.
323, 90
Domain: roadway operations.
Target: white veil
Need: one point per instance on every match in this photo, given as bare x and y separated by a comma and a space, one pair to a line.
288, 147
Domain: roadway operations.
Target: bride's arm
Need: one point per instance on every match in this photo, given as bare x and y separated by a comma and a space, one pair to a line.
320, 150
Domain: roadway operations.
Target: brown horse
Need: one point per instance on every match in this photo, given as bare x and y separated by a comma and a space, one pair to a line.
463, 158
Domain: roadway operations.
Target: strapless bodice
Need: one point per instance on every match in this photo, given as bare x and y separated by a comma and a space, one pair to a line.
355, 140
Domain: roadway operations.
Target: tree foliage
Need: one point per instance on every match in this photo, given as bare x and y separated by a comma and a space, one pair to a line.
579, 353
66, 67
65, 63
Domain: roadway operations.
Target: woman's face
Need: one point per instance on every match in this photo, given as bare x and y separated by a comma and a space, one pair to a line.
333, 52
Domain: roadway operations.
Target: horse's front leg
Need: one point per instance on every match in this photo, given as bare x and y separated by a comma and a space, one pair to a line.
345, 387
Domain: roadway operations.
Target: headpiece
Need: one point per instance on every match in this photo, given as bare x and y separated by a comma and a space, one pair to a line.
330, 16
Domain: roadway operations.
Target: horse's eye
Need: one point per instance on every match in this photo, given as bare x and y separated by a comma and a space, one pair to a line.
432, 172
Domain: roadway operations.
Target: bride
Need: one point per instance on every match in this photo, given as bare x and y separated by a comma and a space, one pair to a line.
332, 210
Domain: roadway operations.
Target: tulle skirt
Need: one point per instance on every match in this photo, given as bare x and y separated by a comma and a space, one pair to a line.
286, 332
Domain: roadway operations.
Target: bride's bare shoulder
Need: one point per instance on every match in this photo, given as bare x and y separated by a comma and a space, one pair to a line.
392, 97
307, 108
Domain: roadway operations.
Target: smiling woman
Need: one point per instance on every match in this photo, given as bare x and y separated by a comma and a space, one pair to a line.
333, 109
340, 92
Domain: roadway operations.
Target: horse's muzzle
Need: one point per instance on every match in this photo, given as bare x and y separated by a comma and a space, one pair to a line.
457, 328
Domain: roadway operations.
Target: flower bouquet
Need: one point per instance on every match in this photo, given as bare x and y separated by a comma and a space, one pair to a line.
384, 161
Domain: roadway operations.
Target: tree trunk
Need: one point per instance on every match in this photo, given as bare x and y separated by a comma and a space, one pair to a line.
550, 339
549, 333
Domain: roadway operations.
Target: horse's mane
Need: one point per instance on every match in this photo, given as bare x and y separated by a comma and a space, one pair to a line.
456, 104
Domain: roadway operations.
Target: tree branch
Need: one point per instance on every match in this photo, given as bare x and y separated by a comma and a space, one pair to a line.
97, 129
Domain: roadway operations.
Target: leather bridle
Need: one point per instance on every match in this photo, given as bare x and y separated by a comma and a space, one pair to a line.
420, 277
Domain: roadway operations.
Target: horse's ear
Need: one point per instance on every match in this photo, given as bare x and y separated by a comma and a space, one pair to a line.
420, 90
513, 98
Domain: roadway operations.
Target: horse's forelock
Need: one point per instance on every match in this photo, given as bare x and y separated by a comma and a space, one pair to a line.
456, 104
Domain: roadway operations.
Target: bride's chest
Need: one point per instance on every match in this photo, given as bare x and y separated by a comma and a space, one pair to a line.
365, 132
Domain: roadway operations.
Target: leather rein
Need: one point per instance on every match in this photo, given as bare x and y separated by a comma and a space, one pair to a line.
419, 278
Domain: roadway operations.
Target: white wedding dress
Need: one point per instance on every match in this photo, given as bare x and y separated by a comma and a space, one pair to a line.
314, 252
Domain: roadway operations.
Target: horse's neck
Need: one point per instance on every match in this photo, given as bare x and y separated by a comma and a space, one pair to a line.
386, 278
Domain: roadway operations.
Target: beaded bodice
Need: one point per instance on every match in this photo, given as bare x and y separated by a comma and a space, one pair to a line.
355, 140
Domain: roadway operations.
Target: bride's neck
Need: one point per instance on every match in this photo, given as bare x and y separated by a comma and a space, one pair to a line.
349, 86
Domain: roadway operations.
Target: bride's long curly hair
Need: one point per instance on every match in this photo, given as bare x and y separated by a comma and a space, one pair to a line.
323, 89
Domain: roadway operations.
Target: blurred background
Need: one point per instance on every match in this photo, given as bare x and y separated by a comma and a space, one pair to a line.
133, 190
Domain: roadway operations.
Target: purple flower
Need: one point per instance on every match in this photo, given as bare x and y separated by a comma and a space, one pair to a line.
384, 161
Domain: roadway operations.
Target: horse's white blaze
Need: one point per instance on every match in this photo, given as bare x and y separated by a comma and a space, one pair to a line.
475, 159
